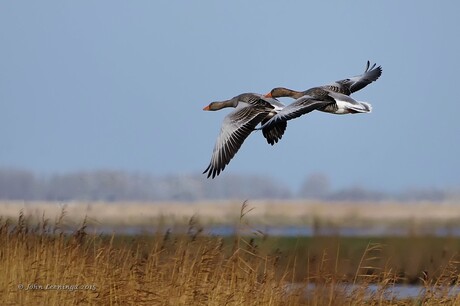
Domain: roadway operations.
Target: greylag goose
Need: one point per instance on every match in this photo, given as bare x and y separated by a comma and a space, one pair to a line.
337, 94
250, 110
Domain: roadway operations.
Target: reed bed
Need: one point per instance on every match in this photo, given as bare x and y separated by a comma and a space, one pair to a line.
43, 264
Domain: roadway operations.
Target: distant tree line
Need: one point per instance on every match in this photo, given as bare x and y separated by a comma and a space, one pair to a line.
317, 186
107, 185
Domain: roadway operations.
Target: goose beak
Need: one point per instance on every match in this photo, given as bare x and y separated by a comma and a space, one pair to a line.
269, 95
206, 108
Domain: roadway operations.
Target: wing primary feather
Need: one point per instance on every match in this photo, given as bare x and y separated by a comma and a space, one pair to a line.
236, 128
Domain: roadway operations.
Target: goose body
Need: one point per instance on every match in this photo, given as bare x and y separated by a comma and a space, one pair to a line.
335, 98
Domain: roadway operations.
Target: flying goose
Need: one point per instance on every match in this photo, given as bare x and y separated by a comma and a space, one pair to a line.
337, 94
250, 110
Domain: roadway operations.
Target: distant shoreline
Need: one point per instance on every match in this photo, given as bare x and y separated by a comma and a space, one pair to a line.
411, 215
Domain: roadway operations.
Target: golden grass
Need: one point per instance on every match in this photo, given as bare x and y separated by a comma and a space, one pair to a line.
168, 269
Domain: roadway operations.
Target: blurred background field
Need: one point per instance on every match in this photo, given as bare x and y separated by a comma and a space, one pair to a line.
285, 217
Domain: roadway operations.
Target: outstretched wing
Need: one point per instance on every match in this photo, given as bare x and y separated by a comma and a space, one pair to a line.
299, 107
235, 129
351, 85
275, 132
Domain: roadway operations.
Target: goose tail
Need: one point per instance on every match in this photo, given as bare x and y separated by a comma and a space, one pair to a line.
361, 107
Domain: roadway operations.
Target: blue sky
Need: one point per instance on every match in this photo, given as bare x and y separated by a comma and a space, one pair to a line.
121, 85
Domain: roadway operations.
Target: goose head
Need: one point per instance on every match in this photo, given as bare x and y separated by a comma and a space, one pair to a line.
213, 106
